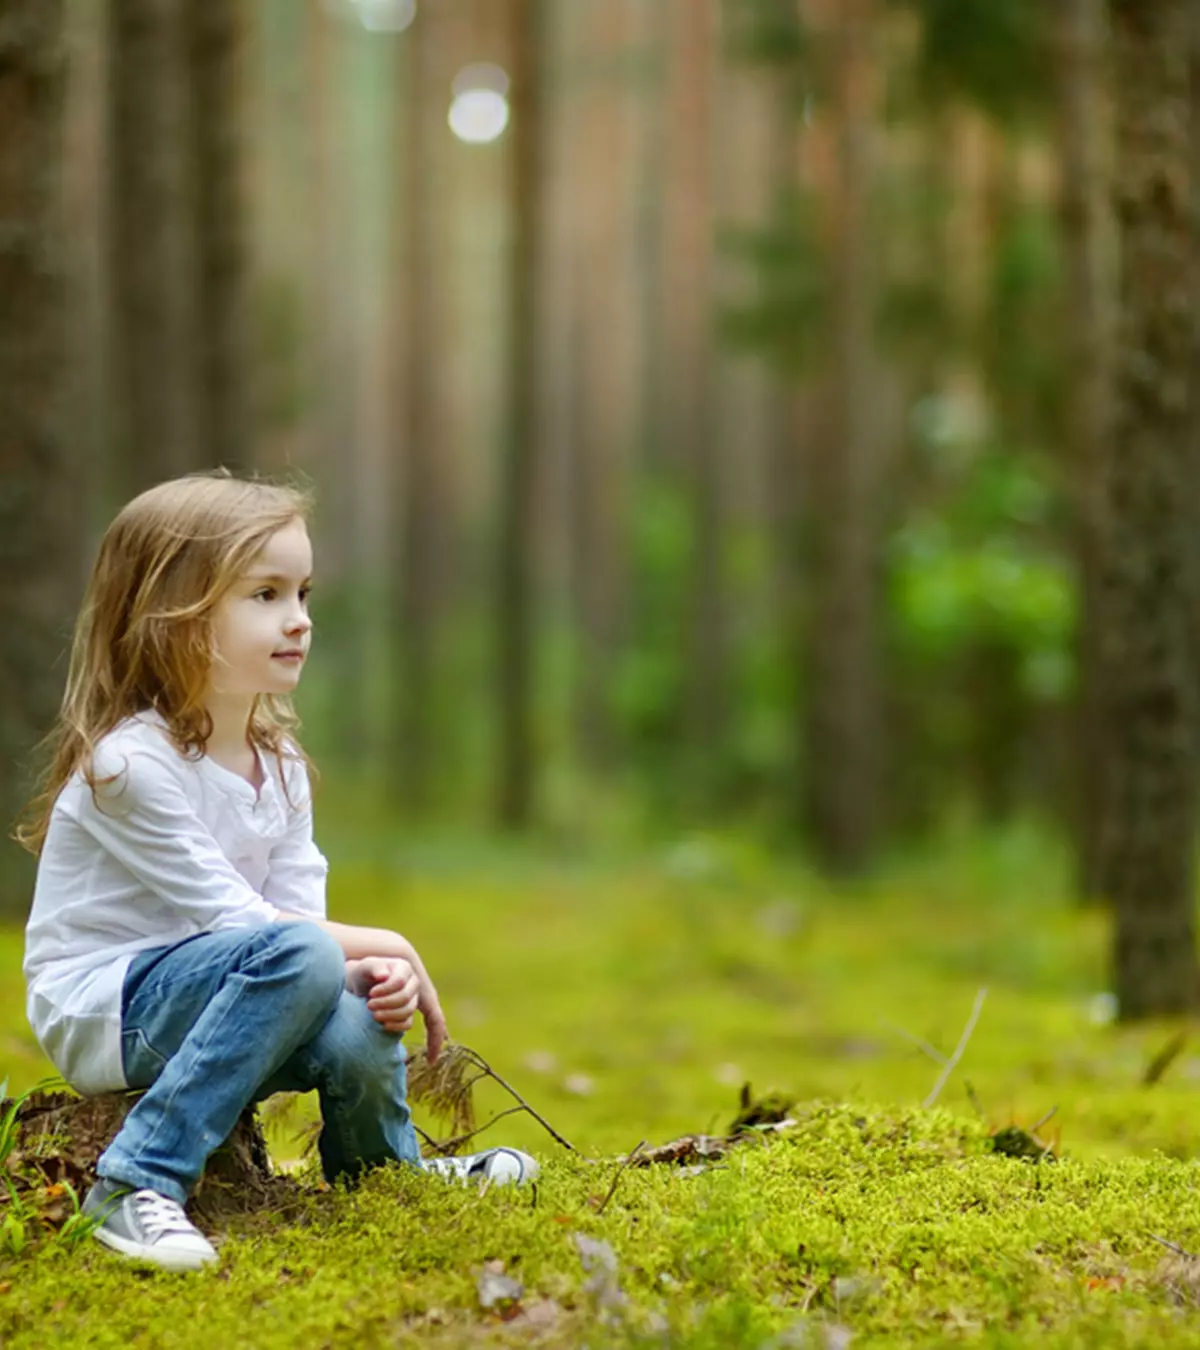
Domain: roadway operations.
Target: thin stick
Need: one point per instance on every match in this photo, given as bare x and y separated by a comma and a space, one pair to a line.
480, 1062
612, 1190
958, 1049
1033, 1129
923, 1046
1171, 1246
449, 1145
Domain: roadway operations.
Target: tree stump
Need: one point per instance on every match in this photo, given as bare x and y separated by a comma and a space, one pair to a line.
58, 1138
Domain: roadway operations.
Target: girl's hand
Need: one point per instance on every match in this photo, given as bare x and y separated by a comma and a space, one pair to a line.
391, 987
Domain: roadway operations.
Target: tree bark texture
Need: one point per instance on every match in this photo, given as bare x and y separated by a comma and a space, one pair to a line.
39, 498
59, 1139
152, 241
515, 610
1150, 591
216, 40
1086, 230
844, 725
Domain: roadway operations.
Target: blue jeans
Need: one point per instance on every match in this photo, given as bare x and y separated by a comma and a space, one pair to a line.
221, 1020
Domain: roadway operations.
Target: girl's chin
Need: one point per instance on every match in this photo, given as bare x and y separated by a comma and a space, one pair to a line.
285, 678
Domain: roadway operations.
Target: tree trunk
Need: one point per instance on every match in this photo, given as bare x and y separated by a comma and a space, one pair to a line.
59, 1139
650, 30
1150, 593
39, 525
597, 146
519, 471
215, 30
152, 240
422, 503
1087, 323
844, 722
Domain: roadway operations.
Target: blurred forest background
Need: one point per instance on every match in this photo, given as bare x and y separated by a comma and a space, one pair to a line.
765, 414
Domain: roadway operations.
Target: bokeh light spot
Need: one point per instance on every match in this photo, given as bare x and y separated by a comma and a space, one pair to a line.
478, 116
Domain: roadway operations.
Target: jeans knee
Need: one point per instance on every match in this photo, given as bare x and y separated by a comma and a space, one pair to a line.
317, 959
358, 1049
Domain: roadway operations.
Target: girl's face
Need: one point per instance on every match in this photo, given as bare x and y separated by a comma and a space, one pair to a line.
261, 627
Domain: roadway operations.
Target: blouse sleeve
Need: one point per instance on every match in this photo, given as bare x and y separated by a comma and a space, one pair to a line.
297, 869
143, 818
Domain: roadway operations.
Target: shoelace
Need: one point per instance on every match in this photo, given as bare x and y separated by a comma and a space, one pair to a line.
159, 1215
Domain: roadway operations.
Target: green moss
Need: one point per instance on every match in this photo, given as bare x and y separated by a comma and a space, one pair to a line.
632, 1005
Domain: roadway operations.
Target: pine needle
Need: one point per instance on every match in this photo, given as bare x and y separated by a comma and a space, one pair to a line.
444, 1088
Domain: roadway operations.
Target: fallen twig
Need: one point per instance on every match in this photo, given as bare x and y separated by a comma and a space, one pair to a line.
958, 1049
447, 1090
1173, 1247
926, 1049
508, 1087
452, 1145
1164, 1059
620, 1172
1037, 1125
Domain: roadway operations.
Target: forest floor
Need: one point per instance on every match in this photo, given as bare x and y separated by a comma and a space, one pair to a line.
631, 1002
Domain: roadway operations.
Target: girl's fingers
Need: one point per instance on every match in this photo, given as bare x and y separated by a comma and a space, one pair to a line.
436, 1033
395, 978
400, 999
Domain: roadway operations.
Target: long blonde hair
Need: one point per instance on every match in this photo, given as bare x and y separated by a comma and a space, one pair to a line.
143, 639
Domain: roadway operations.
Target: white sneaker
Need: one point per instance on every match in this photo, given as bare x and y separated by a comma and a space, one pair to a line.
501, 1166
146, 1226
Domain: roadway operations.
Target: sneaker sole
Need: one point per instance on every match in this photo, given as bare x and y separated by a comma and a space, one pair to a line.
165, 1260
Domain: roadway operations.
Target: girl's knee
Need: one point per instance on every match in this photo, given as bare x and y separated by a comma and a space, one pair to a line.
357, 1046
317, 958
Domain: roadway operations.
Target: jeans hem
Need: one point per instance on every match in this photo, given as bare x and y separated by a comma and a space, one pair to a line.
125, 1174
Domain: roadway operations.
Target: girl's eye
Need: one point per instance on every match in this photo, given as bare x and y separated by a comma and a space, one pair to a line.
305, 592
267, 593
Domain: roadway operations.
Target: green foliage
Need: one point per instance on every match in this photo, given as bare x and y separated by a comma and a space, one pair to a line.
991, 52
981, 610
1023, 353
975, 570
765, 32
752, 763
783, 317
648, 686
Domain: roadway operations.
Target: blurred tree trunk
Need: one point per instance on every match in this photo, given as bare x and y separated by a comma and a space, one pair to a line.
1086, 229
1150, 584
418, 571
519, 470
216, 42
603, 391
1195, 385
39, 524
649, 23
692, 373
152, 240
788, 404
85, 171
844, 725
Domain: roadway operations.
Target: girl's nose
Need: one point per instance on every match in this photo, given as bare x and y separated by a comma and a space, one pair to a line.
300, 623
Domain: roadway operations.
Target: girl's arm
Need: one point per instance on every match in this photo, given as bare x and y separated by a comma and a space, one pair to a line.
359, 942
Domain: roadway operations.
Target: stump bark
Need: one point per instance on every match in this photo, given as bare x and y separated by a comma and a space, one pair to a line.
59, 1137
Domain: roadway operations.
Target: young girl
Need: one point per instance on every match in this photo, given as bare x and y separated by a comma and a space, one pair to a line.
178, 940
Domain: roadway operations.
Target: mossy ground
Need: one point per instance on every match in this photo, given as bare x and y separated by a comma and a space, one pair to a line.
629, 1002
